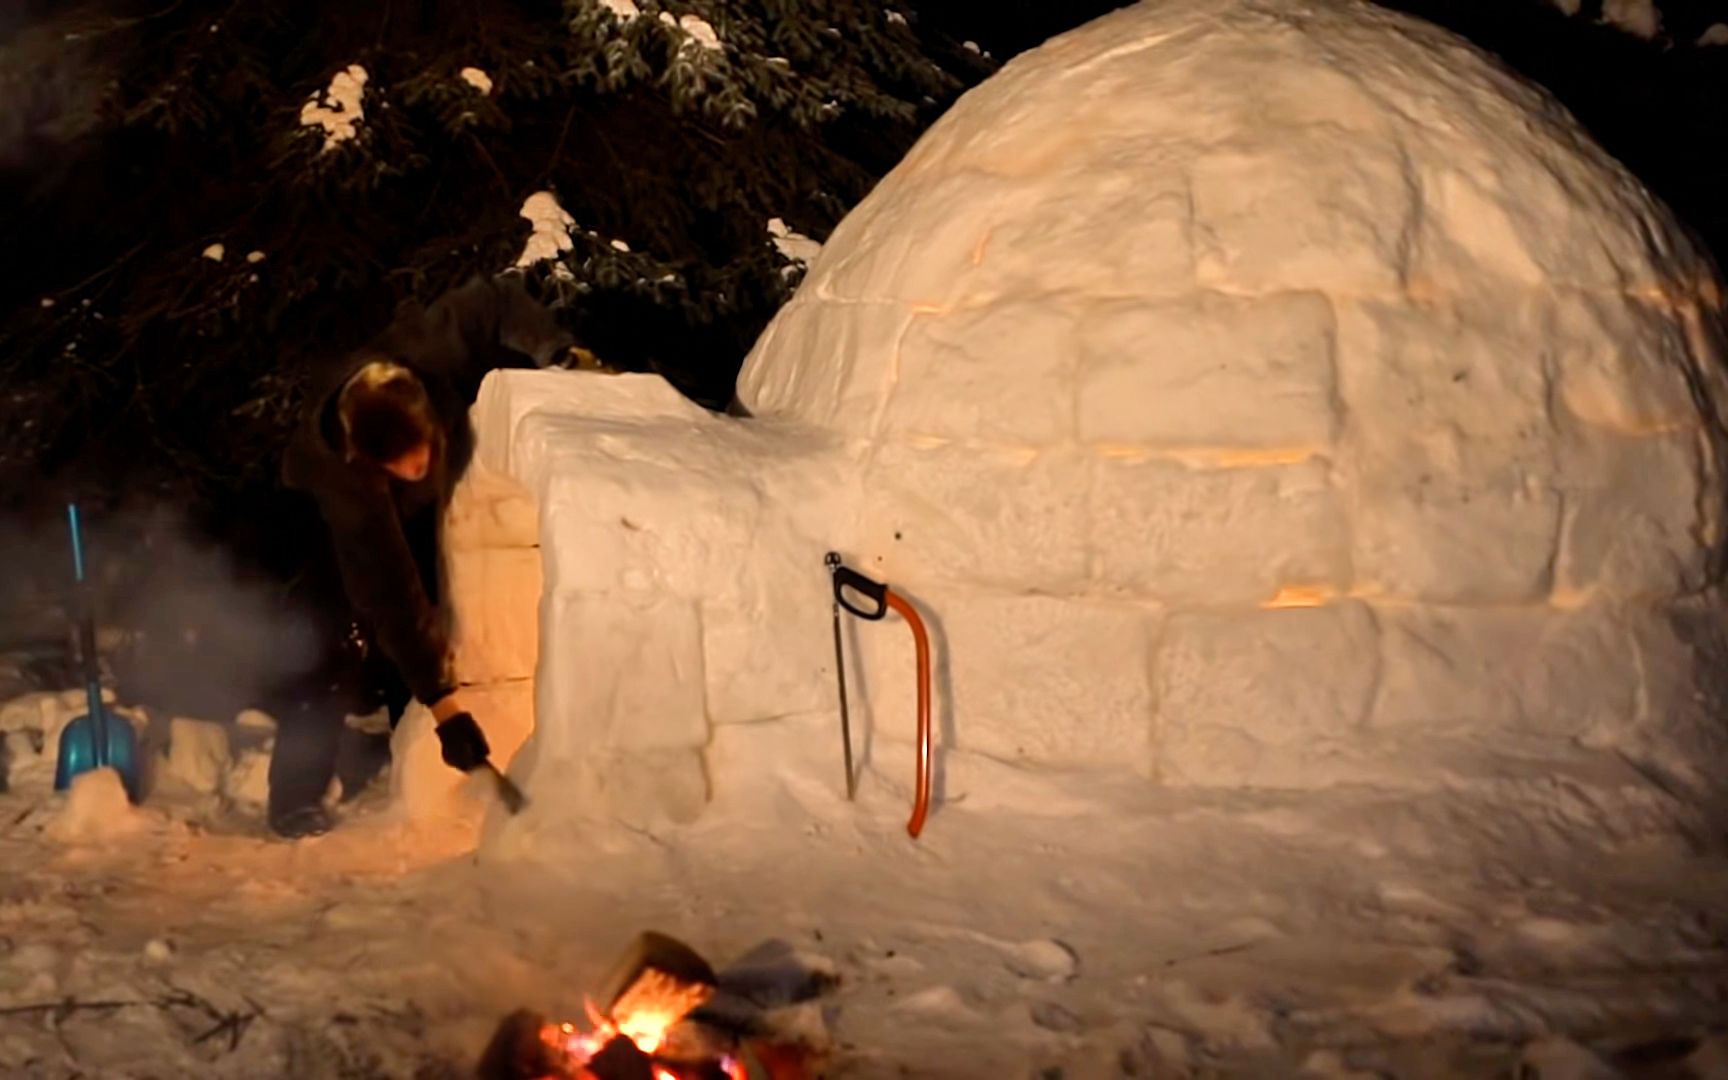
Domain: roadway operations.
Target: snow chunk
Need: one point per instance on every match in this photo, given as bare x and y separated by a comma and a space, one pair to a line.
793, 245
1638, 17
1716, 35
622, 10
215, 252
619, 245
254, 257
478, 79
551, 236
896, 18
339, 114
248, 780
96, 809
699, 29
198, 754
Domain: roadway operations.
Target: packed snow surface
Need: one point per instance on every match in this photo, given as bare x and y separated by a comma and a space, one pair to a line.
338, 109
1044, 926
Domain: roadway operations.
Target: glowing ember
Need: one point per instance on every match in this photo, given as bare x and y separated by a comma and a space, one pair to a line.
577, 1048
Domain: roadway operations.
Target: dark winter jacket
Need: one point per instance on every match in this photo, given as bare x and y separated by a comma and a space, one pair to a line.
385, 530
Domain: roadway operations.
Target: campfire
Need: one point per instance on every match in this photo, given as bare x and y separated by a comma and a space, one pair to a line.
667, 1016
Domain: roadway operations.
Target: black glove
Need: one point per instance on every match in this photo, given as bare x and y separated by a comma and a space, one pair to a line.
463, 742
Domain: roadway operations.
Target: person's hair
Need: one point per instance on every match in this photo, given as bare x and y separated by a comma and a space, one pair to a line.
385, 412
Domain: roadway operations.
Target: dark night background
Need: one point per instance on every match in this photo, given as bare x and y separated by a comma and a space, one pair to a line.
138, 375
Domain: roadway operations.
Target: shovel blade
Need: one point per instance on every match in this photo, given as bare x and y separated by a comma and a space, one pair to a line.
82, 750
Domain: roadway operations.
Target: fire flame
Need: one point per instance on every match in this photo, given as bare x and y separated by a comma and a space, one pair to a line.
646, 1028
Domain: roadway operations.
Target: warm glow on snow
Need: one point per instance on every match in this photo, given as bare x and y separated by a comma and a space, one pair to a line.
1301, 596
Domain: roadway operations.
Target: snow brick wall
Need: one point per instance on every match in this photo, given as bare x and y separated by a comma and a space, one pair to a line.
1250, 392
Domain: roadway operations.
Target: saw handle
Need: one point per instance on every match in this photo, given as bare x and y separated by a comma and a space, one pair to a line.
847, 578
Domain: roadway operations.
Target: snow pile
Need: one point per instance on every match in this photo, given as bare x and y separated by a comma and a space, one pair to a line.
1250, 394
1640, 18
339, 112
551, 225
476, 78
794, 246
30, 727
96, 810
700, 31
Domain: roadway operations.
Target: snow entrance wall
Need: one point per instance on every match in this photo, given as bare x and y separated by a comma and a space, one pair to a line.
1249, 392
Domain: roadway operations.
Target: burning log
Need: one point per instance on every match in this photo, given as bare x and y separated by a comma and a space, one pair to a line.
655, 1025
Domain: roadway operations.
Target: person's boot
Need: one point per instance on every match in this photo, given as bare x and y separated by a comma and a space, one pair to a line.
301, 822
360, 757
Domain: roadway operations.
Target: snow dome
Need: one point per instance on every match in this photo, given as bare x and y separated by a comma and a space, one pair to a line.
1249, 392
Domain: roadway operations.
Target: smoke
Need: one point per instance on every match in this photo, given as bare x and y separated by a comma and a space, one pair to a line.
53, 78
184, 626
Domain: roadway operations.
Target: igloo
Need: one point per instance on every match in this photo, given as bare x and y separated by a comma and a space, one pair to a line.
1248, 392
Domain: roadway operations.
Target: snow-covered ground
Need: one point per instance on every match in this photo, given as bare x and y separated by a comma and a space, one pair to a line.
1041, 928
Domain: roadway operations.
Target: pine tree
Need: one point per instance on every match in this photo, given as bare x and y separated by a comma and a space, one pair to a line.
201, 222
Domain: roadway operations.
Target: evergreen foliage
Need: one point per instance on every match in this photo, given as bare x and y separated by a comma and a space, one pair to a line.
132, 357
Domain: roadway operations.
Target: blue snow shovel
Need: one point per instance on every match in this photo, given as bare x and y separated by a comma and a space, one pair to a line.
95, 740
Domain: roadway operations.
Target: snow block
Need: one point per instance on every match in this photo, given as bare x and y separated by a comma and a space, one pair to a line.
198, 753
1032, 679
495, 597
951, 367
1450, 453
646, 525
1621, 364
504, 406
1311, 208
915, 245
1633, 516
1676, 730
490, 511
422, 787
1261, 698
619, 672
1521, 671
505, 711
643, 790
1181, 535
1213, 372
1090, 230
996, 516
853, 348
770, 654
